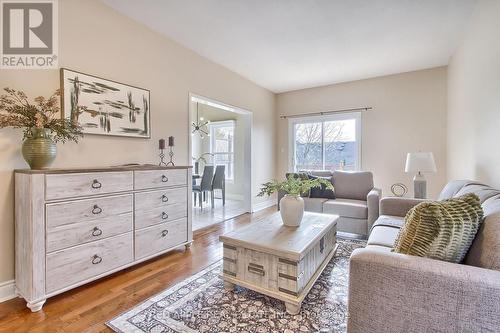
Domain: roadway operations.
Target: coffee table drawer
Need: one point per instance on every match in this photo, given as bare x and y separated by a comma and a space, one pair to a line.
159, 178
72, 265
72, 185
155, 239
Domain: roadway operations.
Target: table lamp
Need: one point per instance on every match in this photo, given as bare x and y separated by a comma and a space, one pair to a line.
419, 163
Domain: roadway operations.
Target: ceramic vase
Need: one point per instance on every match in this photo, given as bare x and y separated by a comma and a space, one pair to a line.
39, 150
291, 210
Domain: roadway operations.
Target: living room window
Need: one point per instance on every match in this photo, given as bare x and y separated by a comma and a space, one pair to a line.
330, 142
222, 145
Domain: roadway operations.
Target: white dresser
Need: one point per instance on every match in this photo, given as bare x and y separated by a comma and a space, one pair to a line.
75, 226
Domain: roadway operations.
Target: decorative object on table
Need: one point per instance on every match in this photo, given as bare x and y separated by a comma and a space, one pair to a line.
420, 163
222, 309
200, 126
171, 150
442, 230
292, 204
105, 107
399, 190
161, 147
41, 124
197, 161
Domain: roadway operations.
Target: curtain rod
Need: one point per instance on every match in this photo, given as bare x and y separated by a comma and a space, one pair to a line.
325, 112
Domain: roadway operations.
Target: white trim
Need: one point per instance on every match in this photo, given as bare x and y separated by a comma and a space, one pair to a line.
338, 116
7, 290
272, 201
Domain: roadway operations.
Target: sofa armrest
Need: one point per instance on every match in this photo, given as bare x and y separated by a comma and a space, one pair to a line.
398, 206
391, 292
373, 202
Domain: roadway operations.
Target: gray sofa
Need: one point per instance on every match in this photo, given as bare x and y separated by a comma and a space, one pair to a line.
391, 292
356, 200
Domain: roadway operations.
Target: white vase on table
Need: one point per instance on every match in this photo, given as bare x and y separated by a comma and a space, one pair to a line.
291, 210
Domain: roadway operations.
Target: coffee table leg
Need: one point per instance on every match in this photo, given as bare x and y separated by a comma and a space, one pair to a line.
292, 308
228, 286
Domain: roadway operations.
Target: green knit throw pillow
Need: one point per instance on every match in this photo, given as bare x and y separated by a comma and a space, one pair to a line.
442, 230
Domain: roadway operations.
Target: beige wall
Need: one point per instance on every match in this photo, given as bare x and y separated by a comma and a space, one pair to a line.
409, 114
97, 40
474, 99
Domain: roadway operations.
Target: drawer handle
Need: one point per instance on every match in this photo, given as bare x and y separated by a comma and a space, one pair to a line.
164, 178
96, 232
164, 216
96, 210
96, 259
164, 233
164, 198
96, 184
256, 271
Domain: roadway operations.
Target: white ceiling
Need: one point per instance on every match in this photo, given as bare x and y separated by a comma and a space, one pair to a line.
285, 45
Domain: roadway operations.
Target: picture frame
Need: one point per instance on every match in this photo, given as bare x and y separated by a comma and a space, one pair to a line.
105, 107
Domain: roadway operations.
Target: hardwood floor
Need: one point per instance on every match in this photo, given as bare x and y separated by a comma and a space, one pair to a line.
87, 308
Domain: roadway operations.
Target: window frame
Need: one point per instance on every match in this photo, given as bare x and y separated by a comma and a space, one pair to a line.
357, 116
212, 126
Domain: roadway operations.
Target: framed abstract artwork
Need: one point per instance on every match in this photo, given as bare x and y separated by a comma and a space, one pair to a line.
105, 107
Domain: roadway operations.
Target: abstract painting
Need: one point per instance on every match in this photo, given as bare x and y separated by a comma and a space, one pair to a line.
105, 107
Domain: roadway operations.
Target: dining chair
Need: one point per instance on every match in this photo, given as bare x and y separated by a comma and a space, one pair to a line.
205, 184
219, 183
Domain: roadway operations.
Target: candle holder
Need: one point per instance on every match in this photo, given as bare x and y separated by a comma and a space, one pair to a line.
171, 155
162, 158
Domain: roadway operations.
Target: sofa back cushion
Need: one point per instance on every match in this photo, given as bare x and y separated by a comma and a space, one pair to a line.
485, 250
352, 185
442, 230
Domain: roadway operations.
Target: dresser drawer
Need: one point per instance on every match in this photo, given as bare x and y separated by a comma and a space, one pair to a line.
158, 238
159, 178
71, 185
67, 267
148, 217
88, 210
146, 201
68, 235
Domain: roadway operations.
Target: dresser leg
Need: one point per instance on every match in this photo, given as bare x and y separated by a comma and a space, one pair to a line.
187, 246
228, 286
36, 306
292, 309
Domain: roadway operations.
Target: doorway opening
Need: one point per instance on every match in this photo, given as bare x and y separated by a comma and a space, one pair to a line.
220, 150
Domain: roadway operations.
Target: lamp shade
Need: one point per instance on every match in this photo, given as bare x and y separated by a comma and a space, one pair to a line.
420, 162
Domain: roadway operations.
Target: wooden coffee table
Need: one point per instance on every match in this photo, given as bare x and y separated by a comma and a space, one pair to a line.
279, 261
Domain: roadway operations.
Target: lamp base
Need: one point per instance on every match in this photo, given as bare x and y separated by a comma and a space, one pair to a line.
420, 186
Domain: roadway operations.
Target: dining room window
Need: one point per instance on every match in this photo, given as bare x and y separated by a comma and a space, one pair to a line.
222, 145
330, 142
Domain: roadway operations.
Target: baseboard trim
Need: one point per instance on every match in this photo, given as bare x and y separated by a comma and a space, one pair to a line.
263, 205
7, 291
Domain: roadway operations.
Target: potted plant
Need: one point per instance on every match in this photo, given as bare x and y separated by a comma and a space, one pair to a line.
42, 126
200, 159
292, 204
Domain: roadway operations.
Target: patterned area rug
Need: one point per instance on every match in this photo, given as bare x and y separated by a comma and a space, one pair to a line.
200, 304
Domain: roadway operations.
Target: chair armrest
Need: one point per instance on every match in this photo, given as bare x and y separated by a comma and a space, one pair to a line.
373, 202
398, 206
391, 292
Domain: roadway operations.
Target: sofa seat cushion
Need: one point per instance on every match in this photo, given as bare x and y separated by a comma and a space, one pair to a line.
357, 209
389, 221
383, 236
314, 204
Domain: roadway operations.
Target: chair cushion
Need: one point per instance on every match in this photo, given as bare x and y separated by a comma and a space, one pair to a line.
442, 230
314, 204
352, 185
357, 209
